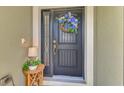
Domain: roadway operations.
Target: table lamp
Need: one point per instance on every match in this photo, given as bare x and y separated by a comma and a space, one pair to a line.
32, 52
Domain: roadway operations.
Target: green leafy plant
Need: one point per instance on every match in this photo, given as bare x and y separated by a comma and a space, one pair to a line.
31, 62
25, 66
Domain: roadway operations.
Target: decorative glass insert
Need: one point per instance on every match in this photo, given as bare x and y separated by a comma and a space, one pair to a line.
67, 37
68, 23
46, 46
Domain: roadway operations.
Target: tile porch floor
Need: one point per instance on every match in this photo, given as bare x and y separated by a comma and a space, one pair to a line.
60, 80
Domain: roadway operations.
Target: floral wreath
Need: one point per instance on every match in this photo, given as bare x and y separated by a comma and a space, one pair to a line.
71, 21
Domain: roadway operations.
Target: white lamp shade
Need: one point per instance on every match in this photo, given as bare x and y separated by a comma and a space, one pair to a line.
32, 52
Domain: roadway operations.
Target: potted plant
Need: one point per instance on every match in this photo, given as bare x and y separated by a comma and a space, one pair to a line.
31, 64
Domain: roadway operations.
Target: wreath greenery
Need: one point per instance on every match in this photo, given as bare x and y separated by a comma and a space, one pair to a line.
71, 21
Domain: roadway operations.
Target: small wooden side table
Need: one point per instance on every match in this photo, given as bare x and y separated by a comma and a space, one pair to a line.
34, 77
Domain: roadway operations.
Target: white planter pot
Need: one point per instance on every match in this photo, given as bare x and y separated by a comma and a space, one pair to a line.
33, 67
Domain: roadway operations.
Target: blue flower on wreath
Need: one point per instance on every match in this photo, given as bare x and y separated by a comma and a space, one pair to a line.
73, 27
72, 19
66, 16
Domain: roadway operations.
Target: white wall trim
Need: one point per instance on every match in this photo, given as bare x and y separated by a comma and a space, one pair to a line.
89, 37
89, 45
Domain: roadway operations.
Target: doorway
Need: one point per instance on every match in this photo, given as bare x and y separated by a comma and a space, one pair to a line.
62, 52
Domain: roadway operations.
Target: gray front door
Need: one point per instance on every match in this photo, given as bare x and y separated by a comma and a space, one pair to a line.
68, 56
66, 48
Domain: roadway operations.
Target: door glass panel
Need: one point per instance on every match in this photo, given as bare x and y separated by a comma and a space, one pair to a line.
46, 46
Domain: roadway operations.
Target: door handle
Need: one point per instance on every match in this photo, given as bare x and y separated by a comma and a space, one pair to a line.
54, 47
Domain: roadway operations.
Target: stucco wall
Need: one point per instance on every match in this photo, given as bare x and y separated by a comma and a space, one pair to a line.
15, 23
108, 68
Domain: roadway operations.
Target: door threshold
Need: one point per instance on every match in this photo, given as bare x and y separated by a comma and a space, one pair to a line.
58, 83
66, 79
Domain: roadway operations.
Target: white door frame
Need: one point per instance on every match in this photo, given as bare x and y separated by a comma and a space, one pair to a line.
89, 38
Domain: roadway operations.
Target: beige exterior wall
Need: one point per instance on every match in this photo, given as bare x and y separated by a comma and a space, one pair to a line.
108, 68
15, 23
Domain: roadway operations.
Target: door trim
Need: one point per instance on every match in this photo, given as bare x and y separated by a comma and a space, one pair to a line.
89, 38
